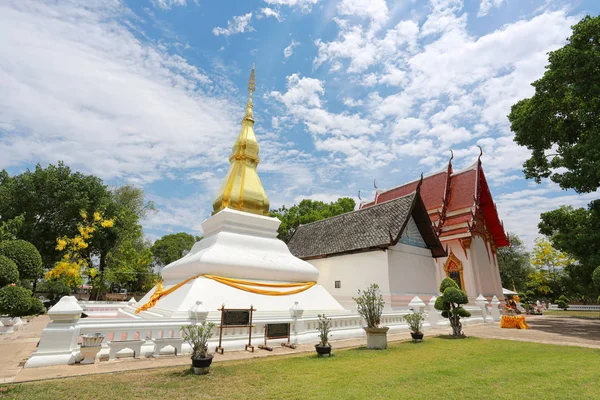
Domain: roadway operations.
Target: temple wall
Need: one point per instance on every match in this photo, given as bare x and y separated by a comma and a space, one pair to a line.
469, 276
412, 272
486, 268
354, 271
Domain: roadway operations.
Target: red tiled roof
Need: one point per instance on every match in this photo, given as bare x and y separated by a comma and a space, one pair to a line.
457, 219
462, 190
432, 191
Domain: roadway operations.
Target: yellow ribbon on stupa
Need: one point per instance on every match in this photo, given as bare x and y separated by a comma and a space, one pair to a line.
235, 283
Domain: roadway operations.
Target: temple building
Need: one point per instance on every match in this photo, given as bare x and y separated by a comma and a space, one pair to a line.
460, 241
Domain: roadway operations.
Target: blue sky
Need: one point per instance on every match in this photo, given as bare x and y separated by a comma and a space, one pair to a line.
151, 92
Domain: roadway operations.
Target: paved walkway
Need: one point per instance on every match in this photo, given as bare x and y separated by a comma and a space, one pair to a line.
16, 348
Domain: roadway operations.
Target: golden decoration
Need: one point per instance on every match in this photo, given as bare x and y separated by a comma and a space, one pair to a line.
241, 189
513, 321
453, 264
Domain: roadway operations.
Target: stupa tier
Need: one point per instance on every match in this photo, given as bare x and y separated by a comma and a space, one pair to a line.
240, 262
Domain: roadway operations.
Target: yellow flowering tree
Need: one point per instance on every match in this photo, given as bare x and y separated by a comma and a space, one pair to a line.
74, 263
549, 271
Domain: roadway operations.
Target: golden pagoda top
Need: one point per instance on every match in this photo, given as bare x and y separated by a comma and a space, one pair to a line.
241, 189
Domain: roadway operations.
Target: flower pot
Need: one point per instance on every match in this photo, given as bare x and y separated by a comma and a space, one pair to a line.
202, 364
94, 340
89, 354
417, 337
377, 338
323, 351
9, 324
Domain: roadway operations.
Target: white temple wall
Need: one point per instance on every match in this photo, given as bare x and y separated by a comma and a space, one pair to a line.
412, 272
485, 267
468, 273
354, 271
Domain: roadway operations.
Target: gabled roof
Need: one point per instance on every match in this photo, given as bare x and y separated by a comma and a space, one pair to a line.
454, 199
376, 227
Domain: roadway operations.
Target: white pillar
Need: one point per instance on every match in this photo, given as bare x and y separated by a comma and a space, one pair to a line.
495, 311
416, 304
297, 323
432, 314
59, 342
481, 302
198, 312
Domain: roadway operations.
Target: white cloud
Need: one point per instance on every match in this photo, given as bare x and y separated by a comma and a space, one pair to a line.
486, 5
168, 4
375, 10
304, 5
270, 12
288, 51
239, 24
80, 87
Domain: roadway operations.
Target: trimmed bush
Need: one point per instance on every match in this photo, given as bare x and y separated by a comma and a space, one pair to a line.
15, 301
36, 307
9, 273
25, 255
450, 304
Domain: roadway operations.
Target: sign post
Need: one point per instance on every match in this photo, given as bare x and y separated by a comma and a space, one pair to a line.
277, 331
235, 318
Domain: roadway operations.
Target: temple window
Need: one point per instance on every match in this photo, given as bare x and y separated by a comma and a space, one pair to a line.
338, 284
454, 270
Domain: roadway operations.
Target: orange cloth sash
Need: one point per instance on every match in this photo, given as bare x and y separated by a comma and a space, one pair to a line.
513, 321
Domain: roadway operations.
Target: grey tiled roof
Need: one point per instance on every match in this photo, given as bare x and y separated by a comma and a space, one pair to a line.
379, 226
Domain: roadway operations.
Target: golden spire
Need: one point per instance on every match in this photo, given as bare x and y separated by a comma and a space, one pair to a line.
242, 189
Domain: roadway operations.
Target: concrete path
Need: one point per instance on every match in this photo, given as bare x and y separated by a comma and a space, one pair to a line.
16, 348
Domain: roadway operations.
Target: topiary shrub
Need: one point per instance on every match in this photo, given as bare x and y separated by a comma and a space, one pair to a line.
25, 255
15, 301
450, 304
563, 303
36, 307
9, 273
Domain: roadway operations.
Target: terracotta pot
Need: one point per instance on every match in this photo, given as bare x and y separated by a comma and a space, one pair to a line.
323, 351
377, 338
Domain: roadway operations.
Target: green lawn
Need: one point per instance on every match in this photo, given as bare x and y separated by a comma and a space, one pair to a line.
578, 314
435, 369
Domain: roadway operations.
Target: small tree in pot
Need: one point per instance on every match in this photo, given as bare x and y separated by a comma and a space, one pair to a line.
450, 304
415, 323
369, 304
197, 336
324, 327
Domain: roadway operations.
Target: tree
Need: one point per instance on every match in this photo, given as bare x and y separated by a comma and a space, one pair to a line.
514, 264
10, 228
172, 247
25, 256
308, 211
575, 231
450, 303
49, 201
550, 265
130, 266
563, 117
9, 273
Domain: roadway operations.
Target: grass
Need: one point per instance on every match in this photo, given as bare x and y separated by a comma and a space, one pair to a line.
437, 368
576, 314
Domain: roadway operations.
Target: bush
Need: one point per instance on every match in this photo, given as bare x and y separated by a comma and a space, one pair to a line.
197, 337
369, 304
450, 304
9, 273
562, 305
15, 301
25, 255
36, 307
324, 327
415, 321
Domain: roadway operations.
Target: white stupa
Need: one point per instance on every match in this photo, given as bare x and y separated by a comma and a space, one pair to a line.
240, 262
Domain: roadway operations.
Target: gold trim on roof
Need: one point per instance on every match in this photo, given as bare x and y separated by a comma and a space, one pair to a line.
241, 189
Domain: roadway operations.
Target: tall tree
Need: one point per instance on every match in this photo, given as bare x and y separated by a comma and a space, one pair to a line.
550, 265
172, 247
514, 263
560, 124
309, 211
575, 231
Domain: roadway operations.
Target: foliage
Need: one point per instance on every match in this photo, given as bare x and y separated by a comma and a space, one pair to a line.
74, 262
596, 278
415, 321
172, 247
130, 266
197, 337
549, 276
53, 290
36, 307
369, 304
513, 262
450, 304
25, 256
49, 200
9, 273
15, 301
575, 231
308, 211
563, 302
10, 228
324, 327
563, 114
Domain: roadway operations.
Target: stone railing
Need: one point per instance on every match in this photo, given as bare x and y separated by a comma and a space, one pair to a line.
578, 307
123, 337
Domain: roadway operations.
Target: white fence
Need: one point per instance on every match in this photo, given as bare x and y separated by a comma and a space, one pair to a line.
138, 337
578, 307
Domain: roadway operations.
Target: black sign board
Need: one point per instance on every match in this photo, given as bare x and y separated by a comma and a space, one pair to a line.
236, 317
278, 331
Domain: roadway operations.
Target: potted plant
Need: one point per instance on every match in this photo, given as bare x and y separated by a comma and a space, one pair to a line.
415, 324
324, 326
197, 337
369, 304
90, 346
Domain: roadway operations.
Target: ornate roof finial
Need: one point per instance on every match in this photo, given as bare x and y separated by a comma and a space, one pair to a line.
420, 183
480, 153
451, 155
375, 184
359, 196
252, 81
249, 115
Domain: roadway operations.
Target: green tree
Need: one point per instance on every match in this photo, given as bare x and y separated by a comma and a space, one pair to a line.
308, 211
25, 256
550, 263
9, 229
172, 247
450, 303
514, 264
575, 231
564, 114
131, 266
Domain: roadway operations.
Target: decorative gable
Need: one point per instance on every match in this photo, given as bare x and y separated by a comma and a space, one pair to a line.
411, 235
